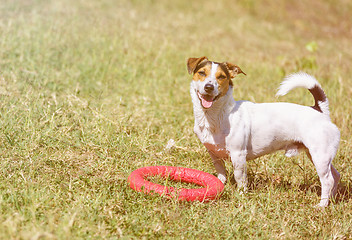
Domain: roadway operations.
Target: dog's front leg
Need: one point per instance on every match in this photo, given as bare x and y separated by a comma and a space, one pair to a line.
219, 166
238, 159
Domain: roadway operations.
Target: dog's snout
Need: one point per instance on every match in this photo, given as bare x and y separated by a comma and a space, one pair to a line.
209, 87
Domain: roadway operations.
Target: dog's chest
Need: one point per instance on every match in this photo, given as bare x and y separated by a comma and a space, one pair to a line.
214, 142
217, 150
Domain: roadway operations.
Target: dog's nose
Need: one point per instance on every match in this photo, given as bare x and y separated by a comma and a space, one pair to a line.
209, 87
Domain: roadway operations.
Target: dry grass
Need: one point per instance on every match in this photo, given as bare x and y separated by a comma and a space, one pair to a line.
91, 90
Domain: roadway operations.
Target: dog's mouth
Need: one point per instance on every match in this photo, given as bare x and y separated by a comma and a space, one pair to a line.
207, 100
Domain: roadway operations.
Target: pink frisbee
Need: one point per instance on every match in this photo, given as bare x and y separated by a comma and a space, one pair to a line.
212, 186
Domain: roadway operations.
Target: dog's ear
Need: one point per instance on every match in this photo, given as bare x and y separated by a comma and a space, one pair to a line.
192, 63
234, 70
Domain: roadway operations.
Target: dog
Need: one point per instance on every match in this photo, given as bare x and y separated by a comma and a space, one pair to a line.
243, 130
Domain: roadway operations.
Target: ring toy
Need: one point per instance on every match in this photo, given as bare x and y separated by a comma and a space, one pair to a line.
212, 186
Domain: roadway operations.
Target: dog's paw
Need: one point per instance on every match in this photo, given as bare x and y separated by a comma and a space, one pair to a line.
222, 178
323, 204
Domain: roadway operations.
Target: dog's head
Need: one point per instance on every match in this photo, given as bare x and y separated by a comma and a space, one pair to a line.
211, 80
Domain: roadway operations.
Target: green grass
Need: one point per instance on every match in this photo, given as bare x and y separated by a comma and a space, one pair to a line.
92, 90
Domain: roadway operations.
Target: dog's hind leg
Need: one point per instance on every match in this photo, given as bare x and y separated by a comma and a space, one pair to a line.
219, 166
328, 175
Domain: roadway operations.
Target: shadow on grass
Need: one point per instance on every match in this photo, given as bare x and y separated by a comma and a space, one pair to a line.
344, 192
257, 181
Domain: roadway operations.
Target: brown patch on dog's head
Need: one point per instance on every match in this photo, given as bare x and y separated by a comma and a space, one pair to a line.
223, 77
192, 63
202, 71
234, 70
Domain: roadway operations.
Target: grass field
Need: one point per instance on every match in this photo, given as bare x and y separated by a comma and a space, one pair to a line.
92, 90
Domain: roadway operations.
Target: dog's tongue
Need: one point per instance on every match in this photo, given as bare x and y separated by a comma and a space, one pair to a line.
206, 103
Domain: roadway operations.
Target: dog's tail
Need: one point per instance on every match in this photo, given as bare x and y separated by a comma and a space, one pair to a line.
307, 81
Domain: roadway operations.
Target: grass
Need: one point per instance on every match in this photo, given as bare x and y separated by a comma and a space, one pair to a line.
92, 90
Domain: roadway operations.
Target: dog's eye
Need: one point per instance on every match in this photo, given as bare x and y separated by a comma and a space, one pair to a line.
202, 73
222, 77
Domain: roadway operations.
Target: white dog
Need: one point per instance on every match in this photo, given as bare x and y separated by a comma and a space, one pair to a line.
244, 130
